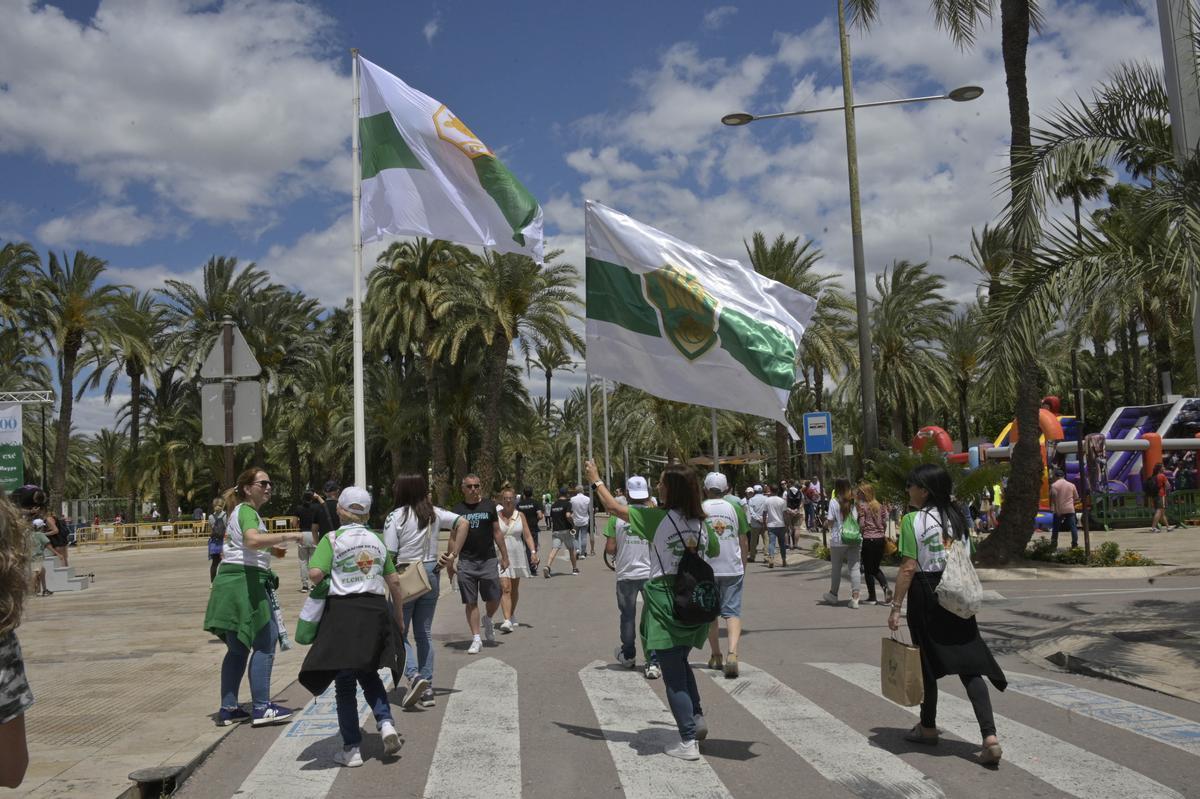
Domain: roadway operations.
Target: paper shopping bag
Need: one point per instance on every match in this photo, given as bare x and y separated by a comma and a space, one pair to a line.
900, 672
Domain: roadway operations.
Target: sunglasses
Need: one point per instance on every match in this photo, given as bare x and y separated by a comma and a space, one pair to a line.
263, 483
475, 486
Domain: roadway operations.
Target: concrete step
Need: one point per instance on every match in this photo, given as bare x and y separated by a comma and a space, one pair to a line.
63, 578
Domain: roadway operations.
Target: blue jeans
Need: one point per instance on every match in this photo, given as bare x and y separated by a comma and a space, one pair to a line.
346, 689
261, 661
627, 594
418, 615
775, 534
1064, 521
680, 684
581, 539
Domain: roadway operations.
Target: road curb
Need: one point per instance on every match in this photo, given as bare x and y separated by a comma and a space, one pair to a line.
174, 776
1064, 572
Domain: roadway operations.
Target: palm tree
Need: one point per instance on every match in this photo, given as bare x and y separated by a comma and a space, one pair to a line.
108, 447
962, 19
19, 262
76, 319
550, 359
509, 299
960, 347
825, 349
991, 256
1079, 183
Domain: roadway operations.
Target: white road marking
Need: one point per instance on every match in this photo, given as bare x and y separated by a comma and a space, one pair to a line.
1067, 767
1145, 721
478, 750
835, 750
1111, 592
313, 733
638, 726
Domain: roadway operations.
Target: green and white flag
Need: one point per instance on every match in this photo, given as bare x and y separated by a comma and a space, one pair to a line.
12, 465
684, 325
424, 173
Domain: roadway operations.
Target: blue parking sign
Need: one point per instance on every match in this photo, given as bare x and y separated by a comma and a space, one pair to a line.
818, 433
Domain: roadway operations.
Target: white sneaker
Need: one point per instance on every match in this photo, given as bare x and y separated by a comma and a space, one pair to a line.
348, 756
489, 630
853, 603
653, 672
391, 738
475, 646
628, 663
506, 626
684, 750
829, 598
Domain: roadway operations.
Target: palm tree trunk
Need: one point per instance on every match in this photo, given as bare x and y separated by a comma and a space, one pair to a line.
1100, 351
963, 432
490, 451
1077, 201
62, 439
437, 435
519, 472
1024, 482
1126, 368
135, 432
782, 467
549, 372
1135, 358
898, 421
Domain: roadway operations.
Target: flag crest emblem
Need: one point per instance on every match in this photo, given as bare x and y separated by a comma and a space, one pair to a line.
452, 129
688, 312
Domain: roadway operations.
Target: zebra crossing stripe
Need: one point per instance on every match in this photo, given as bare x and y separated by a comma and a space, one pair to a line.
1147, 722
1067, 767
834, 749
478, 750
637, 727
311, 735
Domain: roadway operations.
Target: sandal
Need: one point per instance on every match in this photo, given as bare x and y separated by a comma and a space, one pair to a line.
917, 735
990, 756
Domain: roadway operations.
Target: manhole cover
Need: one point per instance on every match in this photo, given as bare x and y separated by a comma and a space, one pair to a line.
1150, 636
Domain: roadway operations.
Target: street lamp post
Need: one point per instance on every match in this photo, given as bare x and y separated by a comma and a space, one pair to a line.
866, 365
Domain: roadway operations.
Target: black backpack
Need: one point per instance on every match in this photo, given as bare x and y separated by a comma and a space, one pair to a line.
697, 600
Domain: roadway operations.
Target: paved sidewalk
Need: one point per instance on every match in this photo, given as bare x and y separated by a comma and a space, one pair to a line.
123, 676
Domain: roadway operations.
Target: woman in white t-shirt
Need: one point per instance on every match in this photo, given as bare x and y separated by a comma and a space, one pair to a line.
410, 534
841, 509
949, 644
516, 538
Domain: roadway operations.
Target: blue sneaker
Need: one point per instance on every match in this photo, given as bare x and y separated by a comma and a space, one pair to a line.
271, 714
233, 715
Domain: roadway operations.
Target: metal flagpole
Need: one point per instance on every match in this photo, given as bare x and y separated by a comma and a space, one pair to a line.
588, 391
578, 462
716, 456
607, 459
360, 430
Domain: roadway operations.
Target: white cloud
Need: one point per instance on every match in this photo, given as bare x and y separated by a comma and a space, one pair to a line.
928, 172
105, 224
432, 28
220, 113
321, 263
715, 18
91, 413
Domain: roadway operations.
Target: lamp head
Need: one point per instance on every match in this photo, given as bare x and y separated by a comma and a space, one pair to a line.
964, 94
737, 120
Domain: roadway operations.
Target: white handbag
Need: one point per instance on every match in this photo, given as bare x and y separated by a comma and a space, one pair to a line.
960, 591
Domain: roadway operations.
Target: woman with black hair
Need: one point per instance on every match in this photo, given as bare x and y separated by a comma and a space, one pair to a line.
668, 529
949, 644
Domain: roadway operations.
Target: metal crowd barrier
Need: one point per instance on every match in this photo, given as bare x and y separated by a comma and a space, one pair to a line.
164, 533
1130, 509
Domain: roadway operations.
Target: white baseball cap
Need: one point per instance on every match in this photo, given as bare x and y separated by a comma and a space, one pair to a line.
38, 523
758, 488
637, 488
749, 489
715, 481
355, 500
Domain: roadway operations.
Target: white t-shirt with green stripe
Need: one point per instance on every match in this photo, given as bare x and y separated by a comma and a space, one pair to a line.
667, 531
234, 549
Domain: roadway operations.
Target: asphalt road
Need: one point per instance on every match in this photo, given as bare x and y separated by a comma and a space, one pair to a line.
545, 713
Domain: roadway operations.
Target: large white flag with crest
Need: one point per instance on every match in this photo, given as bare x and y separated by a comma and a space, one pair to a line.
685, 325
424, 173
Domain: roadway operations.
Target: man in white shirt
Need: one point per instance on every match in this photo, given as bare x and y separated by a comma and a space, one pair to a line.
774, 519
756, 508
727, 519
631, 561
581, 514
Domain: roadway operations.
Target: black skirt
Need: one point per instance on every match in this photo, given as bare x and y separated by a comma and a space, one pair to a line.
949, 644
358, 632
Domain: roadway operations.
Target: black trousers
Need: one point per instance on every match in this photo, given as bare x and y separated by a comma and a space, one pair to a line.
872, 556
977, 692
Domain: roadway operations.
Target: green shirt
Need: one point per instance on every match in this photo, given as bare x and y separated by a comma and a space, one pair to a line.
921, 539
40, 543
355, 559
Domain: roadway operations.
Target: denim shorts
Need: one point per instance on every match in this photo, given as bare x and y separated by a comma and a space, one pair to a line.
730, 589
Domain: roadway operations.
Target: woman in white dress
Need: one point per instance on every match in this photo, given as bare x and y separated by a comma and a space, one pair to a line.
516, 538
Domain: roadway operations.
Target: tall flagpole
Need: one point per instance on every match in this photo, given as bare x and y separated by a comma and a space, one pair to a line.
607, 459
588, 391
716, 457
360, 430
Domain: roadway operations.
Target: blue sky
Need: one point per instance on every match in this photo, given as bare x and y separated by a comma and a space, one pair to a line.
157, 133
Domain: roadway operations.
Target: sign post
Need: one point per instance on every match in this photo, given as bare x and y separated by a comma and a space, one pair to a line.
238, 418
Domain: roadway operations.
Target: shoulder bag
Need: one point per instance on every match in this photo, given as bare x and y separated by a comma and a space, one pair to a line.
959, 590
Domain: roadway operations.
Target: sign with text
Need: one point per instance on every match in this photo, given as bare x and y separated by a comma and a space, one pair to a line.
818, 433
12, 464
